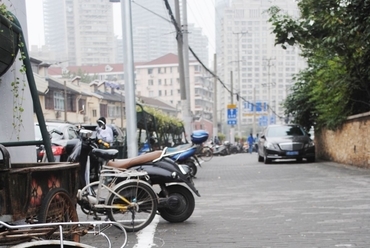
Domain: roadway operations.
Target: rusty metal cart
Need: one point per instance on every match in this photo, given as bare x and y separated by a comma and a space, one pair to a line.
38, 206
36, 193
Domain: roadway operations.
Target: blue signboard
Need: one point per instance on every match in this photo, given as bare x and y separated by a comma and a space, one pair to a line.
249, 107
232, 114
263, 120
231, 122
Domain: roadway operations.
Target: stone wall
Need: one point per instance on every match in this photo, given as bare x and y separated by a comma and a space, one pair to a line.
349, 145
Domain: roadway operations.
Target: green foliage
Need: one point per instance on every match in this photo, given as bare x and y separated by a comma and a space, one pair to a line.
334, 38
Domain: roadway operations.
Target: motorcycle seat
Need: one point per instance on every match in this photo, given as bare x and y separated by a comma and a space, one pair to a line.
129, 162
178, 148
106, 154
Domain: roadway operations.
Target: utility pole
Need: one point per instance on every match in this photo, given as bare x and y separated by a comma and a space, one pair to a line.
232, 129
239, 86
65, 101
128, 56
184, 106
188, 117
268, 89
254, 110
215, 127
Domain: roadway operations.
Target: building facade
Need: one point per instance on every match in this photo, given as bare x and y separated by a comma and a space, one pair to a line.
262, 72
154, 34
80, 32
159, 79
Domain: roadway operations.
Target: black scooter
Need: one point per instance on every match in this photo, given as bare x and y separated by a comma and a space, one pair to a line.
176, 202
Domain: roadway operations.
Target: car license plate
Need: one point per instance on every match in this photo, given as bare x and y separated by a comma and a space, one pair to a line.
292, 153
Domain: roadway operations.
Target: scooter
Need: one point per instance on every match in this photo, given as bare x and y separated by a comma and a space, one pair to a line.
185, 154
223, 149
176, 201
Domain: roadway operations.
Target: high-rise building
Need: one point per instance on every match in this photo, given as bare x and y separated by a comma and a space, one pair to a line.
154, 35
262, 72
80, 32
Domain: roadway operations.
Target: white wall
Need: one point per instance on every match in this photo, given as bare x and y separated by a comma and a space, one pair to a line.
26, 132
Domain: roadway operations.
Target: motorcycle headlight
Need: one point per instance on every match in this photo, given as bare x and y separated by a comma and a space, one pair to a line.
270, 145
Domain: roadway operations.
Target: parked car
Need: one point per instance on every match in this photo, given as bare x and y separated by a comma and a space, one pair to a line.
288, 141
62, 143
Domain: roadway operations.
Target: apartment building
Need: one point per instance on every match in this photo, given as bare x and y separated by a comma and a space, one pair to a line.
262, 72
159, 79
79, 32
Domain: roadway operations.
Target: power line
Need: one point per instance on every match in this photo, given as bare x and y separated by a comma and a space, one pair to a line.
179, 33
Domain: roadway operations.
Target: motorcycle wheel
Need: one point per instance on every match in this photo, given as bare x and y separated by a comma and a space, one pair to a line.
181, 204
193, 168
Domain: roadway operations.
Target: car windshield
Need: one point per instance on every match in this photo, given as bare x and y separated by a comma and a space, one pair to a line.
281, 131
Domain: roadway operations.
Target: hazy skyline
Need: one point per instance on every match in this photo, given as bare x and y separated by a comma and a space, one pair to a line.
201, 13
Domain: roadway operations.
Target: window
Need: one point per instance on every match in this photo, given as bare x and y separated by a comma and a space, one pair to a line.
113, 111
94, 112
159, 81
150, 82
58, 101
159, 93
150, 71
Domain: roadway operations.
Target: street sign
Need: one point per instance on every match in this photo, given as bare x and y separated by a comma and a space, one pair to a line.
232, 113
231, 122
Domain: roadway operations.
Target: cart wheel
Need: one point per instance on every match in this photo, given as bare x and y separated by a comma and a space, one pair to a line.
57, 206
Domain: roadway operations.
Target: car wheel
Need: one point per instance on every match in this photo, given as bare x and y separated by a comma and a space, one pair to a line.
260, 158
267, 160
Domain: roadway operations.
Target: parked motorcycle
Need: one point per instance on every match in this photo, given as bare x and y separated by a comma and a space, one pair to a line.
176, 201
185, 155
222, 150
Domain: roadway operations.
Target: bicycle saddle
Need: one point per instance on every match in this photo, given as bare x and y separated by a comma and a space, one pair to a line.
129, 162
106, 154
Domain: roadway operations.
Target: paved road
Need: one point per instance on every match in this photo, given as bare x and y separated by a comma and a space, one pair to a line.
244, 203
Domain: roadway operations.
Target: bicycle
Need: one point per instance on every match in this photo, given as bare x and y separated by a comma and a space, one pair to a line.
122, 196
53, 234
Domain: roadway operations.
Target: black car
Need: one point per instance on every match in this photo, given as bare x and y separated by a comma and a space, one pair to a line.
63, 141
285, 142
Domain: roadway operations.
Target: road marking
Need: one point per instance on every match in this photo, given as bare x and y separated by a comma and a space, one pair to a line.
145, 237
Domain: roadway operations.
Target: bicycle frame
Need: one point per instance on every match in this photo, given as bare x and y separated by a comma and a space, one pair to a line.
94, 226
108, 173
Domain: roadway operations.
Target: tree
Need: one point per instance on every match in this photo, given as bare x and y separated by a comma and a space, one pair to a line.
333, 36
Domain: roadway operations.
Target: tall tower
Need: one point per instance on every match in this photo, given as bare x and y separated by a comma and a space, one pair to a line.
262, 72
154, 35
80, 32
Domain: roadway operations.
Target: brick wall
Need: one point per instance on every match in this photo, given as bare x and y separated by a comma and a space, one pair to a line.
349, 145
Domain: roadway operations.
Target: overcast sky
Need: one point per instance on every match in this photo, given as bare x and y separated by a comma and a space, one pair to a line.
200, 12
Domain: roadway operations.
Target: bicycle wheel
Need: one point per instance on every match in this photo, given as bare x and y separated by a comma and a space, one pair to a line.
57, 206
141, 210
207, 154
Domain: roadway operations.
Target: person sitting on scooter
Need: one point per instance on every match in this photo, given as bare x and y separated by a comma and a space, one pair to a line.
104, 132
